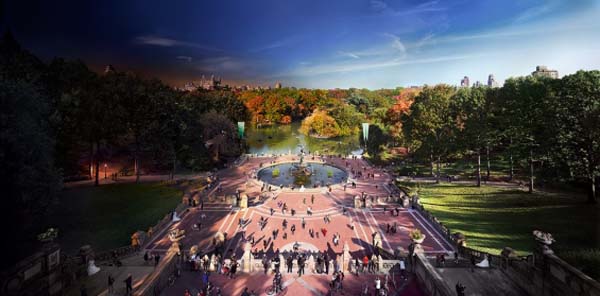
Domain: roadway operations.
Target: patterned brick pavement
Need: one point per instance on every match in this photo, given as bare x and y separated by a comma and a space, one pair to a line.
219, 216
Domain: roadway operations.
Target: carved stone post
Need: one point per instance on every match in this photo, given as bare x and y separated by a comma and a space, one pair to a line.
247, 258
243, 201
346, 258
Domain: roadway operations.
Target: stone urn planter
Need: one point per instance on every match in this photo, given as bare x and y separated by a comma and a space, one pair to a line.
416, 236
544, 239
418, 240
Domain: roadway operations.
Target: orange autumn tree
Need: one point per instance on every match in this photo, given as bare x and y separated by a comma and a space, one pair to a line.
400, 108
320, 124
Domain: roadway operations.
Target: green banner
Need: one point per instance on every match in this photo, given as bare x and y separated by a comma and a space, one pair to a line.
241, 126
365, 127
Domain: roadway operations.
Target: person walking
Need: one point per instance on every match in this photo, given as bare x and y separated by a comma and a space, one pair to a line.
312, 199
293, 228
303, 223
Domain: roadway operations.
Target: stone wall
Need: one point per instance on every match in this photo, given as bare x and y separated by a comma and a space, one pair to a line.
549, 275
429, 279
538, 274
38, 274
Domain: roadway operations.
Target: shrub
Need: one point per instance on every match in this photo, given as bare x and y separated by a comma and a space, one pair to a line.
275, 173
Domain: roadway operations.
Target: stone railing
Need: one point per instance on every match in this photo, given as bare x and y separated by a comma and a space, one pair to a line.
550, 275
167, 270
538, 274
145, 238
429, 279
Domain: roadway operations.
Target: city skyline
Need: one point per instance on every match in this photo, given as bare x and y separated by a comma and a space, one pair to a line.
339, 44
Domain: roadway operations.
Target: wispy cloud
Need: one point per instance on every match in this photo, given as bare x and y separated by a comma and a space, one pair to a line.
537, 11
169, 42
380, 6
287, 41
185, 58
374, 65
348, 54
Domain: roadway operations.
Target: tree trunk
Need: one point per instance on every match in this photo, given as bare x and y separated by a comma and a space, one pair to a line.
91, 165
174, 166
437, 176
511, 173
487, 152
136, 161
530, 170
478, 168
592, 191
96, 166
432, 163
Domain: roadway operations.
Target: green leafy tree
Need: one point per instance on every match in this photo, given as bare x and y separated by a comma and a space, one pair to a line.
431, 123
577, 128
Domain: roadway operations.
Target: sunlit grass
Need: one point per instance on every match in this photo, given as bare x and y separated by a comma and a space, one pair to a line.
494, 217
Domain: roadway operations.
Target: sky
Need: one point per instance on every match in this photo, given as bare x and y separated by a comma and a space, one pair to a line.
314, 43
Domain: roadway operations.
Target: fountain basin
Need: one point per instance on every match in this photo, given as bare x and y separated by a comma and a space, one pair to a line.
320, 174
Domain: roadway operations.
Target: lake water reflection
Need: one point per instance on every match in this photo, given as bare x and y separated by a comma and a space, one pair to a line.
281, 139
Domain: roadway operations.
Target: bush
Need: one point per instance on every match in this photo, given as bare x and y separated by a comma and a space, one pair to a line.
329, 174
275, 173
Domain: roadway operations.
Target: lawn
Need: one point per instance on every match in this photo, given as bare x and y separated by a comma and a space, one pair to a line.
496, 217
106, 216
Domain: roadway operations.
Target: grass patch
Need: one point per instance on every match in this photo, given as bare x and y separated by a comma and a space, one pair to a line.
106, 216
493, 217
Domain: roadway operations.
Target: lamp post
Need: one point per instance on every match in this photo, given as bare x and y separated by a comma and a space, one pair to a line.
105, 166
365, 130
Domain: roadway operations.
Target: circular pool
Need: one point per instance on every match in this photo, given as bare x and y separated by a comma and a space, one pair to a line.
308, 174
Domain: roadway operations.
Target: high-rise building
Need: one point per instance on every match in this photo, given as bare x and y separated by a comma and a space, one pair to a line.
492, 81
543, 71
109, 69
477, 84
465, 82
278, 85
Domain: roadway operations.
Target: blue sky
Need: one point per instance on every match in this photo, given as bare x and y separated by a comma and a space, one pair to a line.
317, 44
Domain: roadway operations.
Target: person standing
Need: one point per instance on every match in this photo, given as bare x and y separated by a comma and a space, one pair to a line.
128, 284
303, 223
293, 228
234, 266
111, 282
377, 286
289, 263
312, 199
265, 263
326, 261
300, 265
156, 259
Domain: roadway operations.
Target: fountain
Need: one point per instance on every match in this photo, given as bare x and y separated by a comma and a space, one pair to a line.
299, 169
301, 174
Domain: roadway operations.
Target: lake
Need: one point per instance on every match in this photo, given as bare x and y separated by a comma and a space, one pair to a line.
283, 139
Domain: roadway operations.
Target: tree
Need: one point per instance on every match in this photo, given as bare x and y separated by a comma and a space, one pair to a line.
319, 124
577, 110
29, 179
471, 111
526, 118
431, 123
